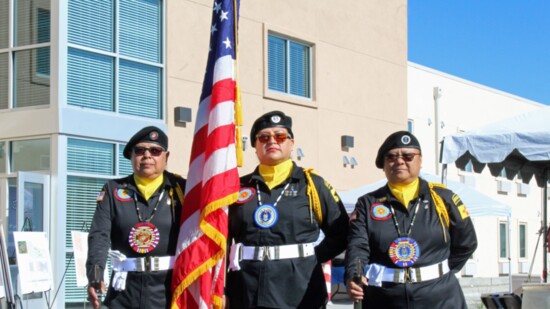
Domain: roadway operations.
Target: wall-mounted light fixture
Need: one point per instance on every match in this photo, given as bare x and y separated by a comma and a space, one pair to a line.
245, 144
353, 162
429, 121
346, 161
182, 115
299, 153
346, 141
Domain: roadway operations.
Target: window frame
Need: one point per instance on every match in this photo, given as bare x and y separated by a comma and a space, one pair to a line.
268, 93
38, 44
504, 224
118, 57
523, 225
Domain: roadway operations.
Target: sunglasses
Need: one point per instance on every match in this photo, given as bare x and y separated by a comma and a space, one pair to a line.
407, 157
279, 137
154, 151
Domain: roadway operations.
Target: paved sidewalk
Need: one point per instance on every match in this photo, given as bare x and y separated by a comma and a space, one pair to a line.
340, 300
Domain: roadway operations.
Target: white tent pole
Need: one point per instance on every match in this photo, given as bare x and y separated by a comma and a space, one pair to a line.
545, 228
509, 254
437, 95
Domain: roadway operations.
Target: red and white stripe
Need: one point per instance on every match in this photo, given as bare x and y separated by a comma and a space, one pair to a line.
327, 271
212, 185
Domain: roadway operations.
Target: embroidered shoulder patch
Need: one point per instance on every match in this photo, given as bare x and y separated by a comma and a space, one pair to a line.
463, 212
379, 212
245, 195
353, 215
100, 196
332, 192
123, 195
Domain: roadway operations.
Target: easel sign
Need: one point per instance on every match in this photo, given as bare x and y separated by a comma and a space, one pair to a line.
33, 261
80, 249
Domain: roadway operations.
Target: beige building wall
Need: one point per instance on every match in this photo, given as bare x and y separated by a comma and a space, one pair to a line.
359, 78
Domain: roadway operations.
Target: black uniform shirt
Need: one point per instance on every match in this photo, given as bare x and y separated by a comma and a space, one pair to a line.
286, 283
113, 220
372, 232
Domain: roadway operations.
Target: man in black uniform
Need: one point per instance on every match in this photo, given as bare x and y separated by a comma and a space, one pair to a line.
409, 238
280, 212
137, 218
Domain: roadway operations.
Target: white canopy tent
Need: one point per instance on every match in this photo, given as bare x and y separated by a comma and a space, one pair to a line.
519, 145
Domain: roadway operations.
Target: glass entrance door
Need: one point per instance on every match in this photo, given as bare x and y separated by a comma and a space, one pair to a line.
28, 210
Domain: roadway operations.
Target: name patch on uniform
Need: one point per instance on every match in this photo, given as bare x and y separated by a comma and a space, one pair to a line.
245, 195
100, 196
379, 212
123, 195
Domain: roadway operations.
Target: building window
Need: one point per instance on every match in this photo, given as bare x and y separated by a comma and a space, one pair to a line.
4, 73
523, 240
42, 59
503, 240
289, 66
90, 164
30, 155
4, 23
116, 66
28, 56
410, 126
3, 156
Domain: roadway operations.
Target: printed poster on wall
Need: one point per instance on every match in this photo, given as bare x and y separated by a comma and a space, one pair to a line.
80, 249
33, 261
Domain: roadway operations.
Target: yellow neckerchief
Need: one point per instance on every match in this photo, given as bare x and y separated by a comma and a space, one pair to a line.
147, 186
405, 193
275, 175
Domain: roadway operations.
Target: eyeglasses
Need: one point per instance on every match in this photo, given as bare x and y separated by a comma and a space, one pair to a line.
280, 137
154, 151
407, 157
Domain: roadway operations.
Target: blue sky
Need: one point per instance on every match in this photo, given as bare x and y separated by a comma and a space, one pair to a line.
503, 44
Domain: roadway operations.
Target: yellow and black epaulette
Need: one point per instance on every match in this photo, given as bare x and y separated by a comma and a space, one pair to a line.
314, 201
440, 206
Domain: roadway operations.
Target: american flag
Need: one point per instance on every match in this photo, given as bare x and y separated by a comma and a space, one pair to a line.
213, 179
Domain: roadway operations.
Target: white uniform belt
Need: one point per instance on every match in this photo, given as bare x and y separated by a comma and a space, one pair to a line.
402, 275
276, 252
147, 263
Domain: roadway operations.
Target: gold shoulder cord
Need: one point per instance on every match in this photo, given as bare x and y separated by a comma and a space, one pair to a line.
314, 201
440, 207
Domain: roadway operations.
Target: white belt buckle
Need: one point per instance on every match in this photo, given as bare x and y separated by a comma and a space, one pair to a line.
144, 264
260, 253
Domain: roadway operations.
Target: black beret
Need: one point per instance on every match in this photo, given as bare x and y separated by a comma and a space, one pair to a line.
149, 134
271, 120
399, 139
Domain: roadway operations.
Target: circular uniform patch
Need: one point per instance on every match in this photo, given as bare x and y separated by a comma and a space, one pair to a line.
245, 195
404, 251
266, 216
144, 237
123, 195
379, 212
